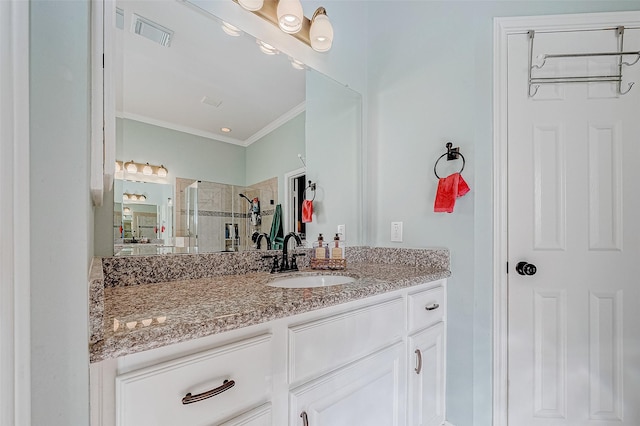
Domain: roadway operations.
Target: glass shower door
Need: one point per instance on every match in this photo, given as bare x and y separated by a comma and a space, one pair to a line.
191, 209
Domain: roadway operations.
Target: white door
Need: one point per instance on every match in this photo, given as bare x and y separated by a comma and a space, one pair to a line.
574, 213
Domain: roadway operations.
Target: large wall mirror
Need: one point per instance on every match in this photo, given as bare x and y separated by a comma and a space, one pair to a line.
231, 130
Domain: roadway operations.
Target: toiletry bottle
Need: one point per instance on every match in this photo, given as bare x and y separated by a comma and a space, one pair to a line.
337, 251
321, 251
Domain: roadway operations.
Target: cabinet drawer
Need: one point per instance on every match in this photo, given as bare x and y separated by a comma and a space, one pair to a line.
320, 346
154, 395
426, 308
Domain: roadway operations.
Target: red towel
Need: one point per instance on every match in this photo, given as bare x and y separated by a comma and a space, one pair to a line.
307, 211
449, 188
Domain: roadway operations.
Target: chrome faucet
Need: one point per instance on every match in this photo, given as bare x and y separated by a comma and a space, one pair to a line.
284, 266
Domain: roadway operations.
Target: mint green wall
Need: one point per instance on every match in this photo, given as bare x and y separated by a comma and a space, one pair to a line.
276, 154
60, 212
334, 160
183, 154
429, 82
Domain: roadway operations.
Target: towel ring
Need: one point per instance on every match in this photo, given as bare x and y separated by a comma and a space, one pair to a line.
312, 186
451, 154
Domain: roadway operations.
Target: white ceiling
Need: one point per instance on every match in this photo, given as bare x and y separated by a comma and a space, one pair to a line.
165, 85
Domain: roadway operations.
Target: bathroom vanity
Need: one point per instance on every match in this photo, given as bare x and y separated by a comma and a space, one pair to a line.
230, 349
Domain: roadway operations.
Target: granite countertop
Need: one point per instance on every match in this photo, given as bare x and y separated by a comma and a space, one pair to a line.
147, 316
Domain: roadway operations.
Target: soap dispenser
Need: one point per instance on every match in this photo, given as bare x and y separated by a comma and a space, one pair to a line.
337, 251
320, 250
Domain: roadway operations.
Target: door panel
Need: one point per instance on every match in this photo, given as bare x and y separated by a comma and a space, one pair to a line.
574, 161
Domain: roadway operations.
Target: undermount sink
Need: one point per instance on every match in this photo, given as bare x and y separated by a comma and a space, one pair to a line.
310, 281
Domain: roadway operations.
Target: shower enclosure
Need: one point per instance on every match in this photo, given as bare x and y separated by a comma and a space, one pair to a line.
221, 217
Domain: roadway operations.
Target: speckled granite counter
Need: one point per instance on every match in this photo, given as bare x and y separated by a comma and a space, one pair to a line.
133, 318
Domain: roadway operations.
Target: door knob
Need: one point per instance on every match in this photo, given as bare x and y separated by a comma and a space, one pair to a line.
524, 268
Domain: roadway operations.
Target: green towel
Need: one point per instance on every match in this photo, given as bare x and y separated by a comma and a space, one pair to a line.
277, 234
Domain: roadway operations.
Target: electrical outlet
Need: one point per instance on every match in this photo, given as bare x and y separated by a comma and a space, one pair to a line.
341, 232
396, 232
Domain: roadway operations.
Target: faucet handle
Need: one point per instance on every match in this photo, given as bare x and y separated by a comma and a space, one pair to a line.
274, 265
294, 263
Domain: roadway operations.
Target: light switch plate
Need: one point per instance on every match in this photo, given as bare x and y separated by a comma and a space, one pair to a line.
342, 232
396, 232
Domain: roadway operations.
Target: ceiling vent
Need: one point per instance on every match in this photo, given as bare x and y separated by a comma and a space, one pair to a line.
211, 101
151, 30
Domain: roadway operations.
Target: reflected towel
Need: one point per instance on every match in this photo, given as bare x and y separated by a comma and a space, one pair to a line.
307, 211
449, 188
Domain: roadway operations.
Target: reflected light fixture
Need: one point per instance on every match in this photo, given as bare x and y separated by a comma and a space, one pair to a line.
127, 196
131, 167
251, 5
162, 172
299, 65
316, 32
144, 168
321, 32
290, 16
266, 48
225, 129
231, 30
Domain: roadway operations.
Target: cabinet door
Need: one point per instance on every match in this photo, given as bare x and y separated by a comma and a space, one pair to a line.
260, 416
368, 392
427, 379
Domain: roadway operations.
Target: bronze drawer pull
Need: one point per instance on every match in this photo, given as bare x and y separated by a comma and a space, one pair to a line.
190, 399
418, 369
432, 307
305, 419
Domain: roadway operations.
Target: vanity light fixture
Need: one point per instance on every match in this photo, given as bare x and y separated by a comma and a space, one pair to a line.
321, 32
131, 167
290, 16
162, 172
231, 30
316, 32
146, 169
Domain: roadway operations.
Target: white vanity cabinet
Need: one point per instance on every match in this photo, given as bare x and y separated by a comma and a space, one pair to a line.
427, 356
354, 363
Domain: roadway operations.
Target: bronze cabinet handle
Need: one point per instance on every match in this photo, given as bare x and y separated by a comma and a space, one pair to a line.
432, 307
305, 419
418, 369
190, 399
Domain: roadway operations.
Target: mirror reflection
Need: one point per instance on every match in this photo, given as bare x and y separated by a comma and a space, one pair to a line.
232, 140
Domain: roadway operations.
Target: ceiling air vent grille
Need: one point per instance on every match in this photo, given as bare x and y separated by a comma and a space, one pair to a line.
151, 30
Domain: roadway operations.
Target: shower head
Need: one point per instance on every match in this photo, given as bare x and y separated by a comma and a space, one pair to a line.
245, 197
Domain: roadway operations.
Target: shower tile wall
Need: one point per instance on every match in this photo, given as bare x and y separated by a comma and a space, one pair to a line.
220, 204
